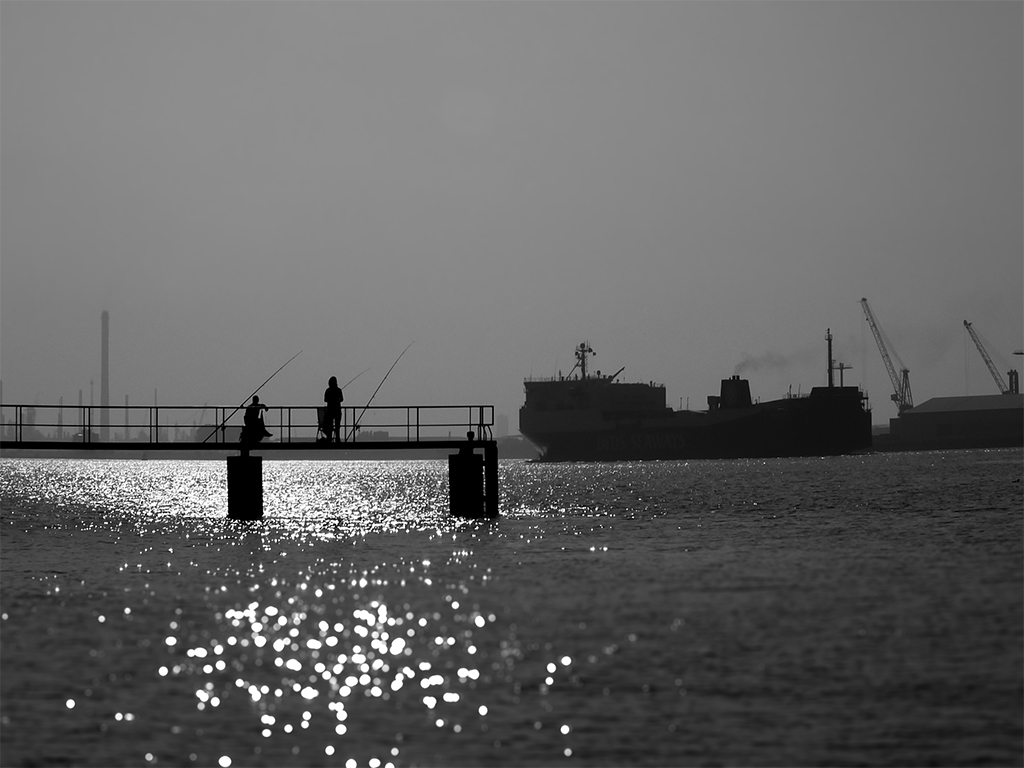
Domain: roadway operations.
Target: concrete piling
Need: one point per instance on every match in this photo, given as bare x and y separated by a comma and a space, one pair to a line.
491, 479
473, 481
466, 485
245, 487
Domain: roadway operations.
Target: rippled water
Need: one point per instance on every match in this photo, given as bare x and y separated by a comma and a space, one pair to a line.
844, 611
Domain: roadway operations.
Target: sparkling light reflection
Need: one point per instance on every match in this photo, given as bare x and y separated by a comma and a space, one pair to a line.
315, 650
310, 663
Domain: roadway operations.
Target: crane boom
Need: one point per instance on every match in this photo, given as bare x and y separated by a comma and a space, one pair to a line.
900, 382
988, 360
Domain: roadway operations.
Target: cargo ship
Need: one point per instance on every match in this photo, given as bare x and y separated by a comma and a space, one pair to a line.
586, 417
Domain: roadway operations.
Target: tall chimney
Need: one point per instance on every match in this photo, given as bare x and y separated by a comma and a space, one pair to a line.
105, 379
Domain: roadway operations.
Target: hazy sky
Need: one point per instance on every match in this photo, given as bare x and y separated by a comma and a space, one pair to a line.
689, 186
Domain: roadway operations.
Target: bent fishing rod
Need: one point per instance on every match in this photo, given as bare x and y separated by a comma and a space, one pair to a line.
355, 425
353, 378
261, 386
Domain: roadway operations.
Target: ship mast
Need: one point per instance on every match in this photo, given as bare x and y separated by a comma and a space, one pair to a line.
581, 357
831, 360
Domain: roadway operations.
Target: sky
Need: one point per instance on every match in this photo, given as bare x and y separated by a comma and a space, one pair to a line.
694, 188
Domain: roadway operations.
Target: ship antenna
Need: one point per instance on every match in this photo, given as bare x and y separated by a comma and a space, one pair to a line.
831, 360
581, 357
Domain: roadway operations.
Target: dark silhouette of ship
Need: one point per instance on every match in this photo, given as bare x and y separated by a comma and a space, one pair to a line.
584, 417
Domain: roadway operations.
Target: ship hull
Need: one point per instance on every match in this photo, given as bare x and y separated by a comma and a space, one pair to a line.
828, 422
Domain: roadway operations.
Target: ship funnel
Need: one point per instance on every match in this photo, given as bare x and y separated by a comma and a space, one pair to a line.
735, 393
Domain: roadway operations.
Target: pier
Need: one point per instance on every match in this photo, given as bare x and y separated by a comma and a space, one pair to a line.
147, 431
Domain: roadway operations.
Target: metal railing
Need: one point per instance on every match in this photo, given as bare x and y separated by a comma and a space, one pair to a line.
222, 425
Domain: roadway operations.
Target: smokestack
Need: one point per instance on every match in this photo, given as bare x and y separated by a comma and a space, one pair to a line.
105, 378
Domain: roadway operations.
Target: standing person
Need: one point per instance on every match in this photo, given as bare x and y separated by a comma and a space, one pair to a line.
334, 397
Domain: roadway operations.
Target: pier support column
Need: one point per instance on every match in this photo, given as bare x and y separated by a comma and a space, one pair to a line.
469, 474
491, 479
245, 487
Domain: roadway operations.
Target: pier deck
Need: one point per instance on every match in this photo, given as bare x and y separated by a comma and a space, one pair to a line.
473, 478
218, 428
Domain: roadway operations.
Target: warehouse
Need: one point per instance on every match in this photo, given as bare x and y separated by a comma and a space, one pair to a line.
970, 421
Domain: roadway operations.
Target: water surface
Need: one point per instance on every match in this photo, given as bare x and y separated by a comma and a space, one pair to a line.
858, 610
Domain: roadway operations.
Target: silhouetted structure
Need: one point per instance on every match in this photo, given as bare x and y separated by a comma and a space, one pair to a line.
475, 486
971, 421
473, 480
245, 487
593, 418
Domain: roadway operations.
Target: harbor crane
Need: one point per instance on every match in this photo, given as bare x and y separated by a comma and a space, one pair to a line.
900, 383
998, 377
1013, 387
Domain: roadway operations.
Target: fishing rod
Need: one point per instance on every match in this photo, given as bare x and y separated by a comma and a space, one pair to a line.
353, 378
261, 386
355, 426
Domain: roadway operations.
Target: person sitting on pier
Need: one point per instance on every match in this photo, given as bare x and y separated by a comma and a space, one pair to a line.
254, 430
334, 397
